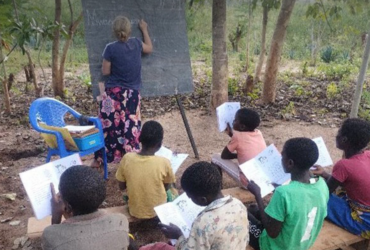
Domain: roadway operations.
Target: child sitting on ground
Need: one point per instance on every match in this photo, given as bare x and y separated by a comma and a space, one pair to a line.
351, 210
82, 191
295, 214
246, 140
222, 224
145, 175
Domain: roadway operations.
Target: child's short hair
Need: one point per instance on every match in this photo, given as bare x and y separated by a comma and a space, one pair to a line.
151, 134
303, 152
201, 179
83, 188
357, 132
122, 28
249, 118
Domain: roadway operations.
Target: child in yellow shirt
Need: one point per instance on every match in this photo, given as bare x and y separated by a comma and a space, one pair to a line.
145, 175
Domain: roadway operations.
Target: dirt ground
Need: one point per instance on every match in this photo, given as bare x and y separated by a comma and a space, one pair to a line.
207, 139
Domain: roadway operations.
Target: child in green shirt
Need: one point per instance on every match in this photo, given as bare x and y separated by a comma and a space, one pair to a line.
295, 214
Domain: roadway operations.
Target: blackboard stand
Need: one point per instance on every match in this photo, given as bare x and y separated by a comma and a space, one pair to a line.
187, 127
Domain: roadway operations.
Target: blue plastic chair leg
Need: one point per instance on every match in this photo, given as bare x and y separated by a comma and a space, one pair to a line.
105, 163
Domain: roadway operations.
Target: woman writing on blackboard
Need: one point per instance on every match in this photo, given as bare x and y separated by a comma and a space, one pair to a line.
119, 109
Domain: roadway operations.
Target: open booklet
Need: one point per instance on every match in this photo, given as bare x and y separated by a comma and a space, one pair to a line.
226, 114
37, 181
266, 168
175, 159
181, 212
324, 156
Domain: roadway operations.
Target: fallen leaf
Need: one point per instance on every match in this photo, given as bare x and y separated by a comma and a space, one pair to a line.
10, 196
6, 220
15, 222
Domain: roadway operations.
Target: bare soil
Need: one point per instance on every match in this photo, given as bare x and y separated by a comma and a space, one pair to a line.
21, 148
208, 141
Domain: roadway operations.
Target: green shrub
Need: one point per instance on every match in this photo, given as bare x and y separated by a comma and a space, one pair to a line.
336, 71
289, 109
332, 90
298, 89
233, 85
328, 54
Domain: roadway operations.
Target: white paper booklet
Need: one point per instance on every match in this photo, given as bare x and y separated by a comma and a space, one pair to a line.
181, 212
324, 156
37, 181
175, 159
79, 129
226, 114
265, 169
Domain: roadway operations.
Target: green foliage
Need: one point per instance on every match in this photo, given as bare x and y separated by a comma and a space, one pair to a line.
255, 94
7, 13
233, 85
328, 55
289, 109
336, 71
364, 110
332, 90
24, 30
298, 89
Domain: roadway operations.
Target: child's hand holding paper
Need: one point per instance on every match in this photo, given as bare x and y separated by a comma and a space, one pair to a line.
170, 231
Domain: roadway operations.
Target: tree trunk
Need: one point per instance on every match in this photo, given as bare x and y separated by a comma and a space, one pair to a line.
261, 58
55, 52
72, 28
219, 92
248, 36
42, 85
269, 87
5, 83
360, 80
32, 73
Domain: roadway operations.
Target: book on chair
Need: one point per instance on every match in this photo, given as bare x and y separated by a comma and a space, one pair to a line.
37, 181
81, 131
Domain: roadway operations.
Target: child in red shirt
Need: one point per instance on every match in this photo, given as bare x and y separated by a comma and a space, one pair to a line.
351, 210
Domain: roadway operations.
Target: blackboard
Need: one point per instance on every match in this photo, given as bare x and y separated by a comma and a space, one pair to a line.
167, 70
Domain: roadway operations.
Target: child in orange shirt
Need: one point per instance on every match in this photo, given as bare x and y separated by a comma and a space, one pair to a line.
246, 141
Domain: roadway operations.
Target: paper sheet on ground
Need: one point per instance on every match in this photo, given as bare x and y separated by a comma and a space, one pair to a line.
175, 159
181, 212
226, 114
324, 156
265, 169
37, 181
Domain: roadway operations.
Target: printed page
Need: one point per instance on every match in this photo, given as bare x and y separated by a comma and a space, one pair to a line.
270, 160
164, 152
253, 171
175, 159
188, 210
168, 213
324, 156
226, 114
37, 181
78, 129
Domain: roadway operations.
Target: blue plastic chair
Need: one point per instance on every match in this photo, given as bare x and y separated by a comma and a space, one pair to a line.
52, 112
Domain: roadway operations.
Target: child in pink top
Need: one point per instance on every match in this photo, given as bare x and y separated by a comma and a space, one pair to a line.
351, 209
246, 140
